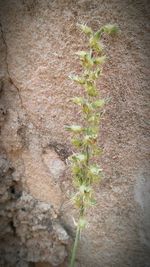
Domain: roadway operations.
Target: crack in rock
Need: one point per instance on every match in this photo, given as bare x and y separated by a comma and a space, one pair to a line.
7, 65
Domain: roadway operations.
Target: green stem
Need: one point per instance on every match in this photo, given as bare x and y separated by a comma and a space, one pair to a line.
87, 154
73, 254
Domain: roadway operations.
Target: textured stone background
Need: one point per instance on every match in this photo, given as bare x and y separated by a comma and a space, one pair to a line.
37, 44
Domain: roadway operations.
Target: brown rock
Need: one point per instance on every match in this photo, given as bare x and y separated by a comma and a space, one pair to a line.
38, 40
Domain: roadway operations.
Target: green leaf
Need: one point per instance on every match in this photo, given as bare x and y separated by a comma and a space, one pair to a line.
91, 89
97, 72
92, 202
87, 30
87, 62
87, 108
76, 169
110, 29
77, 79
78, 174
95, 44
94, 118
84, 189
99, 60
91, 130
85, 58
97, 151
77, 142
81, 54
94, 170
90, 139
94, 173
79, 157
98, 34
77, 199
78, 100
74, 128
93, 75
98, 103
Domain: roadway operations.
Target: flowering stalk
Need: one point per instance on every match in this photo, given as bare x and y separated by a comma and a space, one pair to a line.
84, 171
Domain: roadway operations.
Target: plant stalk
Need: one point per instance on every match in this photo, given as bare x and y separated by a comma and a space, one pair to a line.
73, 254
88, 156
83, 172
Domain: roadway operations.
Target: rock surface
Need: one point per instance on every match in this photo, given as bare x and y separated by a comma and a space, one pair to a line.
37, 44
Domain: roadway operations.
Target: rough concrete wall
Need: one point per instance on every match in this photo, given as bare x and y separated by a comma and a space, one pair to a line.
37, 43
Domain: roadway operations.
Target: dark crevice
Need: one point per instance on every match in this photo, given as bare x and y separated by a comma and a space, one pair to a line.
11, 223
11, 81
6, 61
15, 190
1, 86
61, 149
31, 264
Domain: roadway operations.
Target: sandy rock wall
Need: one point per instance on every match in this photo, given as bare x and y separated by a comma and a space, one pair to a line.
37, 44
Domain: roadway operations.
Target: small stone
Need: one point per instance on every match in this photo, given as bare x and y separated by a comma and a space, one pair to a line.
54, 164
